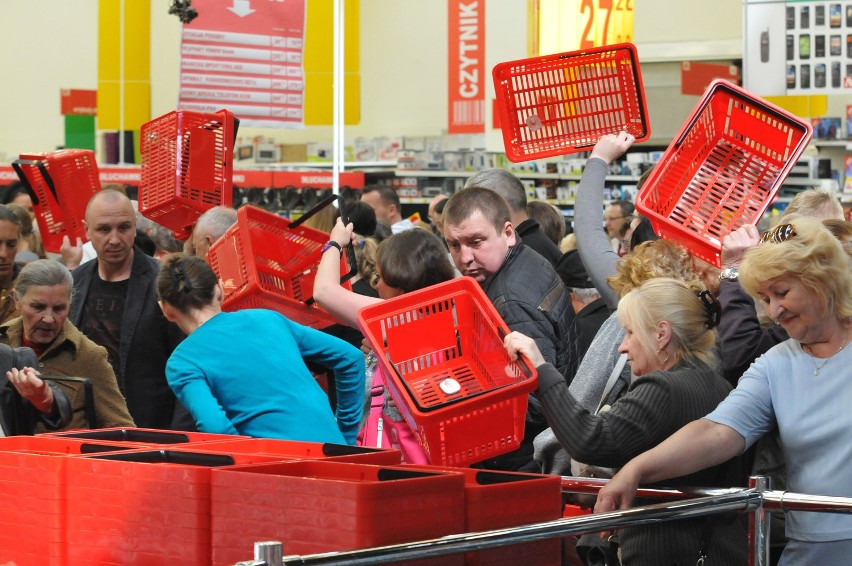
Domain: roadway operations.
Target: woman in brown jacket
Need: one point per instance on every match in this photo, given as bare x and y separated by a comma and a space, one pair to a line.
43, 291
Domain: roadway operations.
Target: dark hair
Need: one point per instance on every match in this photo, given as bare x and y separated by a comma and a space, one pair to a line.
13, 190
504, 184
186, 282
145, 243
550, 221
387, 194
414, 259
363, 218
382, 231
467, 201
441, 205
643, 232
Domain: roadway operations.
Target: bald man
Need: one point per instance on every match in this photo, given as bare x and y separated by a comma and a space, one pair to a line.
115, 305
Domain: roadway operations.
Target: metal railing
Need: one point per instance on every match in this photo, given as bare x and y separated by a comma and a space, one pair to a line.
757, 499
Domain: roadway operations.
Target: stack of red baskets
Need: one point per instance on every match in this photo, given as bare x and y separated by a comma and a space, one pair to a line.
60, 184
187, 167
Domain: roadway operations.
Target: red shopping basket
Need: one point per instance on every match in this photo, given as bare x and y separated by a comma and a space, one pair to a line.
722, 170
267, 261
187, 167
564, 103
449, 373
60, 184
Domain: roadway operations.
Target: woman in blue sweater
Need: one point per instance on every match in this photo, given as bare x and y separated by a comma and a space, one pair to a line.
243, 372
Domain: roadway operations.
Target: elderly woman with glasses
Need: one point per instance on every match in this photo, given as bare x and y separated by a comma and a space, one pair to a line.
802, 275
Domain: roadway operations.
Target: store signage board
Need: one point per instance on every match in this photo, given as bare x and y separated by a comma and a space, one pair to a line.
466, 65
798, 47
573, 25
246, 56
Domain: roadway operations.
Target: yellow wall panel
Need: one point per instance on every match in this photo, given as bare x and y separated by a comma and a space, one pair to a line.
319, 62
137, 104
108, 105
319, 87
137, 40
805, 106
109, 38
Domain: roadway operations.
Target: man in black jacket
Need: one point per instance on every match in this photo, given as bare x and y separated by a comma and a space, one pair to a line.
523, 287
115, 305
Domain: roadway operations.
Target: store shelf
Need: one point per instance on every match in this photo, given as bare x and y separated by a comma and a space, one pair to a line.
425, 173
844, 144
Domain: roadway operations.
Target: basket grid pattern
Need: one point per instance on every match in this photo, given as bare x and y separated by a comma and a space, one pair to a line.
424, 373
554, 105
730, 187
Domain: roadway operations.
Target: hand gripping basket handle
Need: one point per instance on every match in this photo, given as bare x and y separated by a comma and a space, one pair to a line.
350, 251
522, 359
16, 165
753, 101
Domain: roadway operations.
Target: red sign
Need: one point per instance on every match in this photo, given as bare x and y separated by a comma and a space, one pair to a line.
696, 77
79, 102
466, 97
246, 56
316, 179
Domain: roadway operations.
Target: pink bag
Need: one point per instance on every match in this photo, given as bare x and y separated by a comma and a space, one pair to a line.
381, 431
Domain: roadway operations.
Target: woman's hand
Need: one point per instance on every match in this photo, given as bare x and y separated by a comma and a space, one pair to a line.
32, 388
617, 494
612, 146
516, 343
342, 234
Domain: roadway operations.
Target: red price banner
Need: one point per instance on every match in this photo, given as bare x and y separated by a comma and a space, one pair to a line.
572, 25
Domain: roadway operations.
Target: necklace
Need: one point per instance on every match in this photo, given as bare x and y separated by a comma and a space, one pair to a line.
818, 367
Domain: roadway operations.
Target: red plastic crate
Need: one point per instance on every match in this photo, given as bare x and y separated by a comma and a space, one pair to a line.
323, 506
291, 449
722, 170
563, 103
187, 167
60, 184
265, 264
33, 479
496, 500
448, 371
144, 436
148, 503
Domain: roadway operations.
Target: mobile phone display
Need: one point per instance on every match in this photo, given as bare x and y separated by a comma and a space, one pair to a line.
805, 17
835, 15
791, 16
849, 15
849, 46
819, 15
835, 74
835, 48
791, 76
819, 75
805, 76
804, 46
791, 47
819, 46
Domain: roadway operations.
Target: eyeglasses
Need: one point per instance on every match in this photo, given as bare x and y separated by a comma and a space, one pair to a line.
611, 218
780, 233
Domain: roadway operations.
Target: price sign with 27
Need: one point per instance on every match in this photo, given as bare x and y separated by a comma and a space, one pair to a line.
603, 22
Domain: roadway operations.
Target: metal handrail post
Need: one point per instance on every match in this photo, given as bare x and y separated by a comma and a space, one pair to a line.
758, 525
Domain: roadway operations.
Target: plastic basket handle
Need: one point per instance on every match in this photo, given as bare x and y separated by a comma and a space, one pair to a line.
315, 209
350, 251
522, 360
16, 165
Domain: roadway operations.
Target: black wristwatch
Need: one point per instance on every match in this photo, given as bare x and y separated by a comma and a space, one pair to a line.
730, 274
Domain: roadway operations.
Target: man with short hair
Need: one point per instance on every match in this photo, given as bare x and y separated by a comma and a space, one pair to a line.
385, 201
513, 192
523, 287
209, 227
616, 215
115, 305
